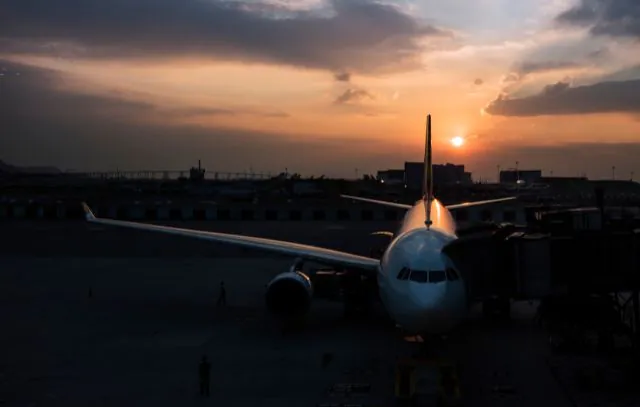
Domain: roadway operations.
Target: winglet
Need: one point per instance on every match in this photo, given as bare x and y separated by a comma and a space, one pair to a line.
88, 213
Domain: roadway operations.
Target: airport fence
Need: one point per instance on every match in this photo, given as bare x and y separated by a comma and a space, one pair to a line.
345, 211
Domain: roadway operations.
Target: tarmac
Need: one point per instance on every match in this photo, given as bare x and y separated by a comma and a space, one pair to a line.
100, 316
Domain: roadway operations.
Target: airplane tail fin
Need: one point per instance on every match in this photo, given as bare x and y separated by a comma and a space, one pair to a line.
427, 186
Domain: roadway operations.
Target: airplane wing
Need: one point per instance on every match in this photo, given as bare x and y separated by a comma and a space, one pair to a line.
479, 203
314, 253
375, 201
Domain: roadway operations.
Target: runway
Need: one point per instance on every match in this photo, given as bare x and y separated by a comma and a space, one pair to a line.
138, 337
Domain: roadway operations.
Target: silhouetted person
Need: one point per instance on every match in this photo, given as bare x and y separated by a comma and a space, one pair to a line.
222, 296
204, 370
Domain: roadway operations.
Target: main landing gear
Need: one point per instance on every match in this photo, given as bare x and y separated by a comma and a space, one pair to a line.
358, 294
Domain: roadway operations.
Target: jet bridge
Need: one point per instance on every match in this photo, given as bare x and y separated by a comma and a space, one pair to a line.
509, 260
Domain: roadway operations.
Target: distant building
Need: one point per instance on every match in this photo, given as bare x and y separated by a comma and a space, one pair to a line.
391, 177
443, 174
525, 176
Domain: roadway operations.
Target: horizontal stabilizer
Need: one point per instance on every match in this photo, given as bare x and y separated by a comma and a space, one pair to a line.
382, 233
479, 203
378, 202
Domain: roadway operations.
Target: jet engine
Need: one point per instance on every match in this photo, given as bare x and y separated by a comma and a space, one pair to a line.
289, 295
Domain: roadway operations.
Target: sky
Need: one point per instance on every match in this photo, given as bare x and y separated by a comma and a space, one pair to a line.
333, 87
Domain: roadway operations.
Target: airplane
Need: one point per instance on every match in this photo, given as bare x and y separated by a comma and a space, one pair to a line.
419, 286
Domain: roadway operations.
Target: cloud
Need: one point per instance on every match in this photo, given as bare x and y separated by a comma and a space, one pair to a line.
562, 99
44, 88
618, 18
342, 76
526, 68
353, 95
27, 89
44, 122
545, 66
363, 36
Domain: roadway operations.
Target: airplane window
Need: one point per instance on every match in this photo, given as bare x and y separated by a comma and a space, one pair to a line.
437, 276
419, 276
404, 274
451, 274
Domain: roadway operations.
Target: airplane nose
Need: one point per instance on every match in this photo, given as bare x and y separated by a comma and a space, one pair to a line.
429, 297
431, 308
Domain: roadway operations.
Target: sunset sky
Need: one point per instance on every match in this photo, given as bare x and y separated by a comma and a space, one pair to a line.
321, 86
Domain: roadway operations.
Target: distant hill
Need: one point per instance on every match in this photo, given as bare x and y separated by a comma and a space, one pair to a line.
4, 167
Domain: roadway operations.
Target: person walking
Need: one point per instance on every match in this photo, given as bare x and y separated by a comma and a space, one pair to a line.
204, 373
222, 296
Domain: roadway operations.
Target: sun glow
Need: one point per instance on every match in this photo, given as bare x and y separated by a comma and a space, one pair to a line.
457, 141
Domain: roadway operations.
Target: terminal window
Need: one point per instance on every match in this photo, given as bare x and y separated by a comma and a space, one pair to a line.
509, 216
485, 215
270, 214
319, 215
343, 214
461, 215
224, 214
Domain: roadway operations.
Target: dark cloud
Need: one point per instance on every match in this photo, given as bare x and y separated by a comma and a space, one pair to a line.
620, 18
523, 69
478, 82
511, 77
342, 76
42, 122
561, 99
27, 89
555, 89
599, 54
25, 86
353, 95
545, 66
355, 35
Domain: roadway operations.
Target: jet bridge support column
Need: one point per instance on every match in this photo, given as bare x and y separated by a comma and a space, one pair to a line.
636, 317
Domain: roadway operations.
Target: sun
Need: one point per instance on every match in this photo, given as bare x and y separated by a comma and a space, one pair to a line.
457, 141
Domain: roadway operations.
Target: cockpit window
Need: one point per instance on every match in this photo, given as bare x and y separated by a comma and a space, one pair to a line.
437, 276
404, 274
433, 276
451, 274
419, 276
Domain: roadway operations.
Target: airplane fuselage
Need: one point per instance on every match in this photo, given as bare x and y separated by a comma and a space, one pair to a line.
420, 286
